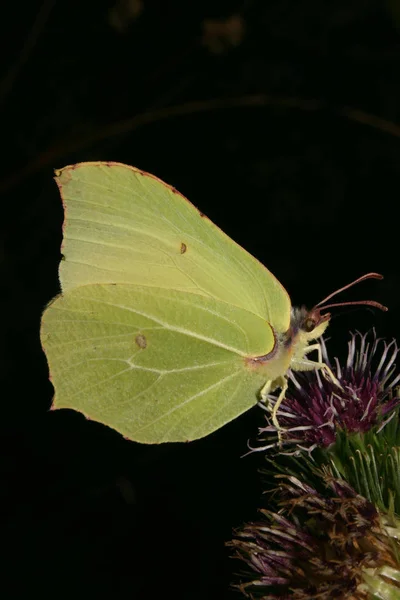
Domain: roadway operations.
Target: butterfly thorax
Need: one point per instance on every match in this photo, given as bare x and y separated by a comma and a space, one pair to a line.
291, 347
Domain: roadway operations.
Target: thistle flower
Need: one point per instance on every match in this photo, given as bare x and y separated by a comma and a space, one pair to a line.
327, 545
315, 409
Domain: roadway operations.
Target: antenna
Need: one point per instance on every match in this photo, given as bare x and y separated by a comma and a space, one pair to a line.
357, 303
349, 285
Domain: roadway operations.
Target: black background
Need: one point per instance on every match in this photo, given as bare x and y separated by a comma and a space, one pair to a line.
289, 141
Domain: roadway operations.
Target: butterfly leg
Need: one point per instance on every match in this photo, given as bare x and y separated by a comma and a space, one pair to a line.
306, 364
283, 384
275, 409
266, 390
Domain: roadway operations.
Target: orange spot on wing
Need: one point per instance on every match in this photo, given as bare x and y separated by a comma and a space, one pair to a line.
141, 341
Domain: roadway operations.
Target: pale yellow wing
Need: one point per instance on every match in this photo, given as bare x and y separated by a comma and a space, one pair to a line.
125, 226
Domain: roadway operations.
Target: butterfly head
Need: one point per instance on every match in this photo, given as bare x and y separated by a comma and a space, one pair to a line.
309, 324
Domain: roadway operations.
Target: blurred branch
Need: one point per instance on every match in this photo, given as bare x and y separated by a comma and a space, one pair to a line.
371, 120
71, 145
38, 25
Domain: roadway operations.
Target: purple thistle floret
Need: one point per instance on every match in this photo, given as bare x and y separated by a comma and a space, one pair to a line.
315, 408
315, 546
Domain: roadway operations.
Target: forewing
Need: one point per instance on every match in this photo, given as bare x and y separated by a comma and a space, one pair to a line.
125, 226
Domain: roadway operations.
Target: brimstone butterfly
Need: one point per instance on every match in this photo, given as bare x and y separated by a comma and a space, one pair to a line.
166, 329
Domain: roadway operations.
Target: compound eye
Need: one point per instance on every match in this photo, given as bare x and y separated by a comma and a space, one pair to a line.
309, 324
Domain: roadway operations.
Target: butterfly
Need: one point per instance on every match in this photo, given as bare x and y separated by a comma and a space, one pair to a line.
166, 329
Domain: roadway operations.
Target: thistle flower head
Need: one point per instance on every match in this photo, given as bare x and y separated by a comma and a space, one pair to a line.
327, 545
315, 408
